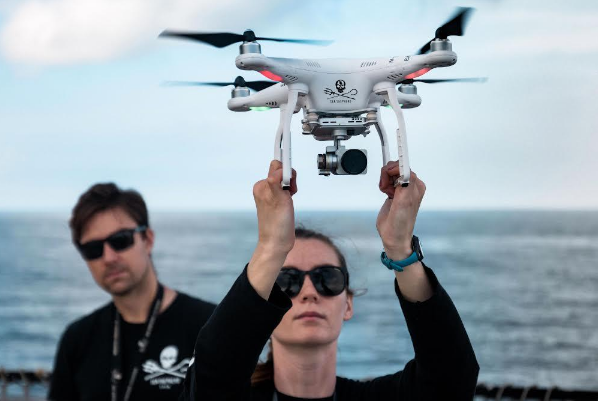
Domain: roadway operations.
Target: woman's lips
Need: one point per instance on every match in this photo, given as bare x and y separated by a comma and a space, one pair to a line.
309, 314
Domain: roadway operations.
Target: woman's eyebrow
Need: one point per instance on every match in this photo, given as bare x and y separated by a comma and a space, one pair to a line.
327, 266
312, 268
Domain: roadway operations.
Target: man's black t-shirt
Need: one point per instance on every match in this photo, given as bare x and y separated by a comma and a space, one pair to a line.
83, 362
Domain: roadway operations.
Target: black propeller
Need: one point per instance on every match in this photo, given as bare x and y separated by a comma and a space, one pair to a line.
454, 27
239, 82
224, 39
435, 81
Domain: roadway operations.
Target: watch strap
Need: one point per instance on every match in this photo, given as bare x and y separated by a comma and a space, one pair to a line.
398, 265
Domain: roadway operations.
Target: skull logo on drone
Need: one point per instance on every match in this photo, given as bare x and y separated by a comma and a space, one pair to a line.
340, 86
168, 356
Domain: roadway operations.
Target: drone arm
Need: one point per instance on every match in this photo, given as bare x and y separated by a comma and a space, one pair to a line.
392, 98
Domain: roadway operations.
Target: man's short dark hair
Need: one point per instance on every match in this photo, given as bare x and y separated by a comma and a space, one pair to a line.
102, 197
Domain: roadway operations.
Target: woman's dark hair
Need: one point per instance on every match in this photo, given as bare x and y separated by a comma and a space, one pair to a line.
102, 197
265, 371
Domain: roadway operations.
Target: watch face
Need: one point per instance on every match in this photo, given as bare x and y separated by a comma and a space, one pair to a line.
417, 247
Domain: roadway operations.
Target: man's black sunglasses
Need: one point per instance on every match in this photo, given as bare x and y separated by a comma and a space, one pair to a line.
328, 280
118, 241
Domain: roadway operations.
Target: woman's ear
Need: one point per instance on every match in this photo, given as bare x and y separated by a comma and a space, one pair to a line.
349, 309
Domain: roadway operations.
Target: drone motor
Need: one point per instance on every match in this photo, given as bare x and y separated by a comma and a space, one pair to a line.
239, 92
250, 47
408, 89
441, 44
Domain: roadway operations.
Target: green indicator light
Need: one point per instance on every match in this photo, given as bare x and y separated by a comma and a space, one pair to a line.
390, 107
260, 108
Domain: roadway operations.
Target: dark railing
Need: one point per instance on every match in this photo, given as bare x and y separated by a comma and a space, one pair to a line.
27, 380
531, 393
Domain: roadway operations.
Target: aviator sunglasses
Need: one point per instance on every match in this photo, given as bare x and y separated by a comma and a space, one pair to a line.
118, 241
328, 280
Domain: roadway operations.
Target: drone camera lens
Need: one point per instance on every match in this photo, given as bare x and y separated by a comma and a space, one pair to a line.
354, 161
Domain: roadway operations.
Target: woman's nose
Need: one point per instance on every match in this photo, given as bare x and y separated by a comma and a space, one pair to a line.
308, 291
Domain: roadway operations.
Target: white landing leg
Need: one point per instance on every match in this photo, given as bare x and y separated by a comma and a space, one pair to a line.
283, 153
383, 138
278, 138
392, 98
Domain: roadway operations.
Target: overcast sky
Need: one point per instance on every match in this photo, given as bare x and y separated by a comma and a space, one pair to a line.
81, 101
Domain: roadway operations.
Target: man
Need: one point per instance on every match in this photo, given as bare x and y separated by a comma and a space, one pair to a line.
139, 345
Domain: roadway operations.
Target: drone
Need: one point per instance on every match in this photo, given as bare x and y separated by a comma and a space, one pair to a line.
340, 98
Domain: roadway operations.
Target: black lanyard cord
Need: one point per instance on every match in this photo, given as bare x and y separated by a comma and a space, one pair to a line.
142, 344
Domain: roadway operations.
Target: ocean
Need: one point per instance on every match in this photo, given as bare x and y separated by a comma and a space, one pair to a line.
524, 282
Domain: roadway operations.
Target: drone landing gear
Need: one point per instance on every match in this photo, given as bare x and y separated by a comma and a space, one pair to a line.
373, 118
391, 97
282, 143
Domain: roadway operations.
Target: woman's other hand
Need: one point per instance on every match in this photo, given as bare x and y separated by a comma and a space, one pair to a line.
276, 227
398, 213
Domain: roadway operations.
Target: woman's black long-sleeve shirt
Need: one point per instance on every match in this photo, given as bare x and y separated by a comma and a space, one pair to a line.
231, 341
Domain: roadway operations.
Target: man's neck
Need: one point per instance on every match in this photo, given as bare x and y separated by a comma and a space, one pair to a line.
134, 306
305, 372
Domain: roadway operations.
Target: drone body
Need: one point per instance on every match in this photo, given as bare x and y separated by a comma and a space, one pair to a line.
340, 98
344, 86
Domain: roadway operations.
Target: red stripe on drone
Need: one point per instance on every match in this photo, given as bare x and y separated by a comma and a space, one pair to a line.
417, 73
271, 76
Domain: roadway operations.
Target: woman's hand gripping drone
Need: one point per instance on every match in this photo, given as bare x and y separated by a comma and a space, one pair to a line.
340, 98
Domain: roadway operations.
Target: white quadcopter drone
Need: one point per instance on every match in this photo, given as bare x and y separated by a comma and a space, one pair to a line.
340, 98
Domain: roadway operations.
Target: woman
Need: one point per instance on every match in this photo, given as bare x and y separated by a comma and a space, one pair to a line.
302, 306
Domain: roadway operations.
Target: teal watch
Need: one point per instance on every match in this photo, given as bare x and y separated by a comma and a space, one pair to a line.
416, 256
